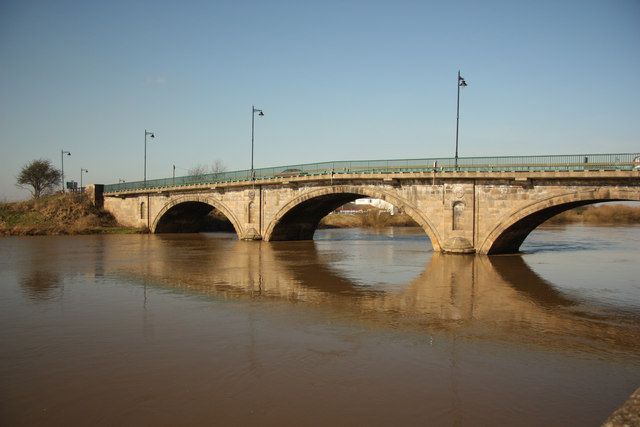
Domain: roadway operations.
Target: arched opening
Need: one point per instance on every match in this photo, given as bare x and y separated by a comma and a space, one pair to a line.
301, 217
510, 236
301, 222
193, 217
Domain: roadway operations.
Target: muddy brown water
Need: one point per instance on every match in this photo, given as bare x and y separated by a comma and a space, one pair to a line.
358, 327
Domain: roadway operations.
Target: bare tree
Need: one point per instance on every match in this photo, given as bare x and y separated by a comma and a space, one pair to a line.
39, 177
218, 166
198, 172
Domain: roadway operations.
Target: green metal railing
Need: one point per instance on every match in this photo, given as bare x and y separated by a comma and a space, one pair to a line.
574, 162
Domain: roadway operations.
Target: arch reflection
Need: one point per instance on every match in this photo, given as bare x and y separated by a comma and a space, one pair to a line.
476, 297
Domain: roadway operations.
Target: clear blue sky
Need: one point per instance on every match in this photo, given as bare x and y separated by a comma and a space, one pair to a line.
337, 80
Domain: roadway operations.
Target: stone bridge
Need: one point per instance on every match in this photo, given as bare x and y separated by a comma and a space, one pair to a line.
461, 211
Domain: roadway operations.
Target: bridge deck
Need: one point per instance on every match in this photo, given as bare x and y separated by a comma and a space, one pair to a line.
390, 177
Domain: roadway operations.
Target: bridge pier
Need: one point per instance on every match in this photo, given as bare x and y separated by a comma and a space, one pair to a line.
250, 233
457, 245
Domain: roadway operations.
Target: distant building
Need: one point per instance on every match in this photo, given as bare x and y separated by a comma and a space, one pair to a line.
380, 204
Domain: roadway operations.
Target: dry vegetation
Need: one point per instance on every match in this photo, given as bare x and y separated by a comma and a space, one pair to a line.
56, 214
602, 214
375, 218
371, 218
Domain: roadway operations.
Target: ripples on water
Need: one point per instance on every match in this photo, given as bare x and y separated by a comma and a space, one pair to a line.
357, 327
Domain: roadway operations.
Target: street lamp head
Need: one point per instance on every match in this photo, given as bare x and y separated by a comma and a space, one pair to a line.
461, 81
261, 114
152, 135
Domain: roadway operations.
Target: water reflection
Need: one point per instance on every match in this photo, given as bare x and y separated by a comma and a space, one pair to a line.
39, 278
513, 270
358, 329
472, 296
41, 285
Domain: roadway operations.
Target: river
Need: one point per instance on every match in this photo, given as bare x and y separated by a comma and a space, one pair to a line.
358, 327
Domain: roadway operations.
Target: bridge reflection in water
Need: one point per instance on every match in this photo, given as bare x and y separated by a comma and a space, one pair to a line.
473, 297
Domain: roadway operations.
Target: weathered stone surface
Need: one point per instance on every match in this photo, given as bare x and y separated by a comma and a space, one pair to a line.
483, 212
628, 415
458, 245
95, 194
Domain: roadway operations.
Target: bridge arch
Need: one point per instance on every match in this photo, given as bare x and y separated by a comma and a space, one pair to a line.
299, 218
511, 231
204, 204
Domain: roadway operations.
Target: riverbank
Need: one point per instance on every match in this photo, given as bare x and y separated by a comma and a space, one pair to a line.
601, 214
372, 218
589, 215
57, 214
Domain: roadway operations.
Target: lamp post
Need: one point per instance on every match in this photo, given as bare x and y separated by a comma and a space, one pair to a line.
151, 135
461, 83
62, 153
81, 171
254, 110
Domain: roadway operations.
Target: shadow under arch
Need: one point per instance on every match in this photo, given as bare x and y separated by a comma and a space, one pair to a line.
453, 286
181, 215
518, 275
299, 218
305, 266
510, 233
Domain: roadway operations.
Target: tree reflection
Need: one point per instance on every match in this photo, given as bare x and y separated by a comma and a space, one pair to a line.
41, 285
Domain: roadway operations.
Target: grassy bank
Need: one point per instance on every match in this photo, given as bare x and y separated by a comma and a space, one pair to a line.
602, 214
57, 214
372, 218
